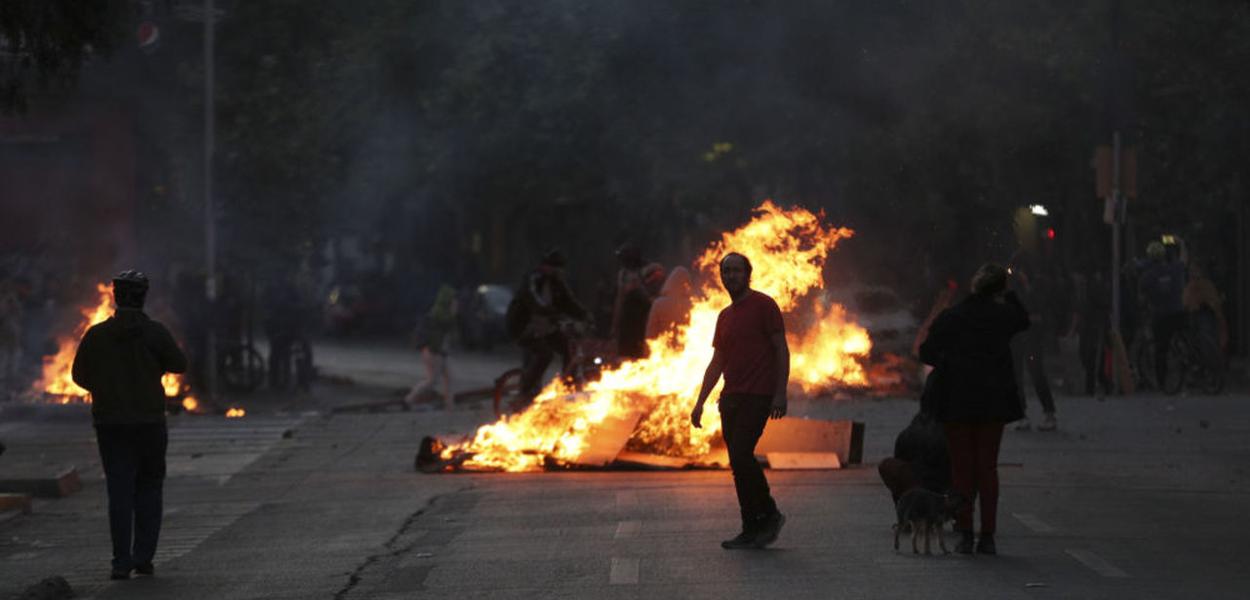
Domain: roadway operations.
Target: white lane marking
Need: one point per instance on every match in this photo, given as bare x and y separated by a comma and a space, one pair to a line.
626, 499
627, 529
1033, 523
1096, 563
624, 571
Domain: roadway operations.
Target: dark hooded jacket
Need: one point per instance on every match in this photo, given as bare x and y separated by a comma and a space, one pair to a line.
121, 361
969, 347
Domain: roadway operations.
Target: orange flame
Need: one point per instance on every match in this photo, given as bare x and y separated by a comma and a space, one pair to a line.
58, 380
172, 382
788, 250
57, 377
235, 413
190, 404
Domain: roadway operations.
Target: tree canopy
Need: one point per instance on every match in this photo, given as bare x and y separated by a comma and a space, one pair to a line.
498, 128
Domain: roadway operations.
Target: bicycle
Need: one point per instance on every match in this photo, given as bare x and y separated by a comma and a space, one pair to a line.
1189, 364
587, 358
1200, 362
241, 367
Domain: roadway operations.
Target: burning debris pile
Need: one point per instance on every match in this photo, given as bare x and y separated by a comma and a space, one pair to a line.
57, 383
648, 401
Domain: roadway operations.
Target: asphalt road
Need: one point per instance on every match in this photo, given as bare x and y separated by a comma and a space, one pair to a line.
1139, 497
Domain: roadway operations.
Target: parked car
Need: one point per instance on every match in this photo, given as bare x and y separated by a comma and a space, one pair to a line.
482, 312
881, 311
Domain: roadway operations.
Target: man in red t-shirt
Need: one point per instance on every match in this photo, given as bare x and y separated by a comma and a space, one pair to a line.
751, 352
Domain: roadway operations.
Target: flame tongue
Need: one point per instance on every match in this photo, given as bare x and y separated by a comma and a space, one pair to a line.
58, 381
57, 377
788, 249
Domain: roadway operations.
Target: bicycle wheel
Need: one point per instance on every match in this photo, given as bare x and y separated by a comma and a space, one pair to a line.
1143, 366
1177, 365
507, 391
1206, 376
1215, 380
242, 368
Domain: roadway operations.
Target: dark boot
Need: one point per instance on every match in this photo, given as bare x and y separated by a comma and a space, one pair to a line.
770, 529
743, 541
966, 542
987, 544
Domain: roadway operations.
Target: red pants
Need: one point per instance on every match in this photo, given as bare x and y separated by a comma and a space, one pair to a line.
974, 470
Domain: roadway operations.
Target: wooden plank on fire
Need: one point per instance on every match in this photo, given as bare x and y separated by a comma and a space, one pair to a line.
718, 458
791, 434
605, 440
803, 460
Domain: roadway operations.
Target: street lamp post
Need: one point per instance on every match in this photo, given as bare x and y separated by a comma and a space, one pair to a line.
210, 211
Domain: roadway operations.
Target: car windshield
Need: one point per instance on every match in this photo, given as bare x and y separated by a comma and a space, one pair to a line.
495, 297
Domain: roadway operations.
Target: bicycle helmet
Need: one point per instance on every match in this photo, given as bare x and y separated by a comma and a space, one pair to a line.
1155, 250
130, 287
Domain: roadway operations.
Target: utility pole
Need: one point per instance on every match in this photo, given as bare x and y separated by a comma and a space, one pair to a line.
1117, 210
210, 208
1243, 263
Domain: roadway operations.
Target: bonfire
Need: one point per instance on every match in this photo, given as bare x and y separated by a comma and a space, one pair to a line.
57, 381
654, 396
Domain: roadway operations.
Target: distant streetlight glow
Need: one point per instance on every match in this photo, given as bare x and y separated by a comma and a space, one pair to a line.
1039, 210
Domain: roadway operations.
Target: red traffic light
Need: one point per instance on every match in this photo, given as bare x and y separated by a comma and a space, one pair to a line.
1050, 233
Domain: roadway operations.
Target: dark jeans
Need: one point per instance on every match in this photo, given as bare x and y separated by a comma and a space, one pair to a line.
1027, 353
536, 354
1092, 349
1164, 328
134, 468
974, 471
743, 417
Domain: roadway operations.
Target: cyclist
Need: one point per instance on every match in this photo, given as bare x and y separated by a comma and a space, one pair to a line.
534, 319
1162, 283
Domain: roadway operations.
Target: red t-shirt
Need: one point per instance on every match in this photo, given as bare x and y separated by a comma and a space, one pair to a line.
744, 332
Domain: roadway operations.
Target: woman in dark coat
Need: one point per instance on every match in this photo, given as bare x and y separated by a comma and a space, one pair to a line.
974, 394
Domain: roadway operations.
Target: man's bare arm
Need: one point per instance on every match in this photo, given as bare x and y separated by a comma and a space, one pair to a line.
711, 375
781, 353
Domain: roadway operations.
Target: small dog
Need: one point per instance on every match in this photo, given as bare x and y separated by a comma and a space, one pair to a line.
925, 512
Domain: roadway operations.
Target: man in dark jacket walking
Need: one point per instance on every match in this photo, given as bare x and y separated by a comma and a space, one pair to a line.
121, 361
972, 392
